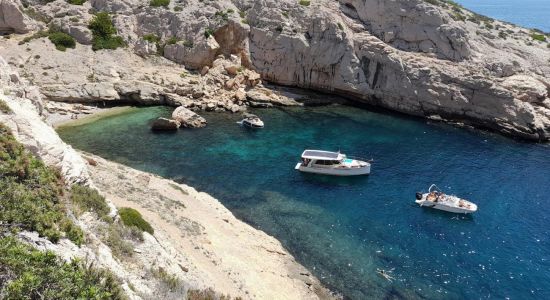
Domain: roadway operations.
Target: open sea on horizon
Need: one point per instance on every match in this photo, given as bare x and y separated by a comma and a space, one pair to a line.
526, 13
344, 229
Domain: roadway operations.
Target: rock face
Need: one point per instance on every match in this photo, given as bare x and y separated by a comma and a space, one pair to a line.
188, 118
29, 129
419, 57
12, 18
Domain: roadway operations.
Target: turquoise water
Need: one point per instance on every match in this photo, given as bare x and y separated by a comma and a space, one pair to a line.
526, 13
343, 229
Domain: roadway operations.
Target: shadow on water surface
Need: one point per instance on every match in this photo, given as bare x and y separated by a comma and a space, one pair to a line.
332, 181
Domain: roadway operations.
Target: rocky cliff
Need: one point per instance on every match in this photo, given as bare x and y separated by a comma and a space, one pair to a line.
425, 58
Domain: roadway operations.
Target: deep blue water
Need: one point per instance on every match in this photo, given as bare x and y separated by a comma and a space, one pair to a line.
526, 13
343, 229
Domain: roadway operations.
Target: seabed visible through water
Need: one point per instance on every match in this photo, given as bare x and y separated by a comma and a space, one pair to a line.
344, 229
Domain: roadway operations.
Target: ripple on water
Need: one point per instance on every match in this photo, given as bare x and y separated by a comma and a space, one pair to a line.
344, 229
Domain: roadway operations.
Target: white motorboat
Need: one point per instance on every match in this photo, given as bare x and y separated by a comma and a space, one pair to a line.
331, 163
252, 121
434, 198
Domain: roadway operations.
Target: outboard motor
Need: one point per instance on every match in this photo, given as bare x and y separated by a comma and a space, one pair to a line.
418, 196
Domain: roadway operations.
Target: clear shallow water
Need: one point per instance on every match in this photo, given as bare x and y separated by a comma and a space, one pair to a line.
526, 13
343, 229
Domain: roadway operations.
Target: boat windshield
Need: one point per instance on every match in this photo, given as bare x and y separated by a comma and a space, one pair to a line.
327, 162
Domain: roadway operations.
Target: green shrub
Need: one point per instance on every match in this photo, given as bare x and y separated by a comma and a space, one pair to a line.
4, 107
538, 37
61, 40
188, 44
172, 40
103, 32
31, 193
131, 217
305, 2
73, 232
222, 14
178, 8
208, 32
31, 274
76, 2
88, 199
158, 3
152, 38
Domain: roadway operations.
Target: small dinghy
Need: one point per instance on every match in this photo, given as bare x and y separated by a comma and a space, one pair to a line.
434, 198
251, 121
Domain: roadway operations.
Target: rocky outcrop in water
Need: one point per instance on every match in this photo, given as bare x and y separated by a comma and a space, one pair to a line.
164, 124
188, 118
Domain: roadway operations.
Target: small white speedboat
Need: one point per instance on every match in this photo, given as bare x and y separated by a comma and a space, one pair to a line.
252, 121
434, 198
331, 163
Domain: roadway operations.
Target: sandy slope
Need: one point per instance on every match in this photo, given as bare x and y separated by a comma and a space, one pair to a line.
214, 247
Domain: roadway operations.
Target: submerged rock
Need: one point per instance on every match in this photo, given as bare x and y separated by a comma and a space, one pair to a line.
188, 118
164, 124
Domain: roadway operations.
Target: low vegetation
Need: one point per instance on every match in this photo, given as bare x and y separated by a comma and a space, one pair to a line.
27, 273
32, 194
153, 38
36, 35
171, 282
61, 40
104, 33
33, 198
4, 107
159, 3
208, 32
131, 217
76, 2
117, 237
207, 294
538, 37
87, 199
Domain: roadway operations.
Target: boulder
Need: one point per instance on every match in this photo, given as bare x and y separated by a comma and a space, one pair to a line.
201, 54
188, 118
164, 124
12, 19
232, 69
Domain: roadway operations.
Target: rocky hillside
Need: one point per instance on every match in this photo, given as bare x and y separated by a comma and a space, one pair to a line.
156, 238
427, 58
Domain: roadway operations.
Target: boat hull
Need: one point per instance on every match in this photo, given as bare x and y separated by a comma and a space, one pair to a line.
335, 171
452, 209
